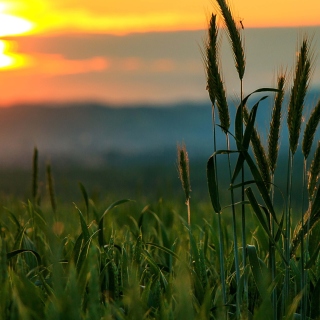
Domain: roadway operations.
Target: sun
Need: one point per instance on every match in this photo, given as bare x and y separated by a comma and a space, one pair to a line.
11, 26
8, 58
5, 60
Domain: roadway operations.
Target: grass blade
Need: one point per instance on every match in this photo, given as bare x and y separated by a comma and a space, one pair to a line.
260, 273
260, 216
85, 197
246, 139
84, 227
113, 205
12, 254
35, 175
212, 184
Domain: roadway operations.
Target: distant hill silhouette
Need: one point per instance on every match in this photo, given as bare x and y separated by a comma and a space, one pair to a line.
93, 134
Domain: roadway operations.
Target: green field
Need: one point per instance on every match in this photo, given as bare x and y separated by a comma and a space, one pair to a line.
148, 263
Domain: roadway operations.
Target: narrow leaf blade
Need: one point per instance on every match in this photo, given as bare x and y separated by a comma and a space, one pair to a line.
212, 184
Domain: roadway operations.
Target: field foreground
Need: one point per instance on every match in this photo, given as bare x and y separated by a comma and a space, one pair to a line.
129, 261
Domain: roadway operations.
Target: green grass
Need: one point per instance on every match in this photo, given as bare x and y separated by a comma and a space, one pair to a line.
247, 249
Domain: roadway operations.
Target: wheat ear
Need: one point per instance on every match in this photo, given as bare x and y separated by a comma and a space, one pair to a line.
184, 174
314, 171
275, 124
234, 37
311, 218
214, 80
310, 130
298, 93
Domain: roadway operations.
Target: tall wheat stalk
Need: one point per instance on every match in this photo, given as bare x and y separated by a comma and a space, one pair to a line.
312, 214
294, 120
235, 39
263, 169
307, 141
273, 151
217, 96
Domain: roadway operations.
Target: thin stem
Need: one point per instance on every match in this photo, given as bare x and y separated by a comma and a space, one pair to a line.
303, 273
287, 232
234, 226
272, 260
222, 270
221, 243
304, 250
189, 212
243, 212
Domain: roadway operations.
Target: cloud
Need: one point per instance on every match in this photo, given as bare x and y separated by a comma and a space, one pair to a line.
51, 65
154, 67
183, 45
55, 64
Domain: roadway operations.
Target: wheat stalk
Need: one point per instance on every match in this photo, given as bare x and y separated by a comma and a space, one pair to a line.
234, 37
314, 171
310, 130
184, 175
215, 84
311, 217
298, 93
294, 120
273, 150
275, 124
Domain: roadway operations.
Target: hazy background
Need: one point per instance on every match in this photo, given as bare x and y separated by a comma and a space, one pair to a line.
105, 91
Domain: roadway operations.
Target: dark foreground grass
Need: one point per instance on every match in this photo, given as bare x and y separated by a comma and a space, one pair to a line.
129, 260
125, 261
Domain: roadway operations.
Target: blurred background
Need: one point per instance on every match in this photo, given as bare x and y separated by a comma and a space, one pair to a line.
105, 90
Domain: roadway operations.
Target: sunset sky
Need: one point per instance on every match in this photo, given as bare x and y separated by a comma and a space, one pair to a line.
139, 51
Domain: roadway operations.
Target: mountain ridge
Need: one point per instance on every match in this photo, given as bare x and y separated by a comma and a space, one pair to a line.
94, 134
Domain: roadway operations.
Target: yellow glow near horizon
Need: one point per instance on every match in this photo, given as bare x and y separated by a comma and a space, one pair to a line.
9, 59
127, 16
11, 25
5, 60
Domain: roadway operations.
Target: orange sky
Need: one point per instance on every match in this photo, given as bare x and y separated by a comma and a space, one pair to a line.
144, 15
54, 18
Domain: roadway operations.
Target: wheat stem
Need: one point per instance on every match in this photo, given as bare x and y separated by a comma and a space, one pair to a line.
51, 188
35, 173
287, 232
302, 248
221, 241
234, 230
